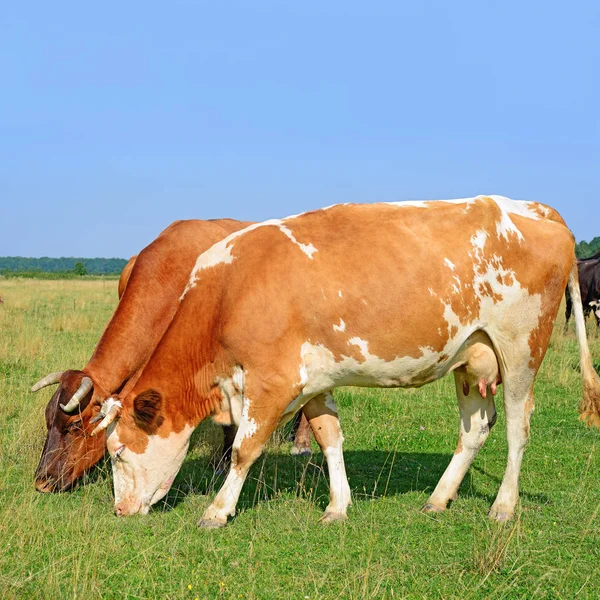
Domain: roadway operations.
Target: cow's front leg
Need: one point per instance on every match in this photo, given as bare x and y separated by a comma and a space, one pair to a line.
260, 416
322, 415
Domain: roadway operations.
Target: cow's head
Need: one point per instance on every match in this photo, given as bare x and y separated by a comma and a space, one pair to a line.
69, 450
146, 450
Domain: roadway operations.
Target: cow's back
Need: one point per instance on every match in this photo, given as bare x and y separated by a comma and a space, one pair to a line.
151, 297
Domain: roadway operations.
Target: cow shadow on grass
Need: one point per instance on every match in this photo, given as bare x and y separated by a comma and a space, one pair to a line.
371, 473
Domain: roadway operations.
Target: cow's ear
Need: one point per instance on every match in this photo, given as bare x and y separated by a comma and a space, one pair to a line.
147, 411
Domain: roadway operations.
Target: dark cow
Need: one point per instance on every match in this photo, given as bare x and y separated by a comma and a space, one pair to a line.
589, 287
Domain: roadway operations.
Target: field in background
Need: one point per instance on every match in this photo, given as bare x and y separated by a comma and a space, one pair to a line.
398, 443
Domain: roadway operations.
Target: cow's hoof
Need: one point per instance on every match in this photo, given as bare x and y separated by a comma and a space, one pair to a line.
204, 523
300, 451
432, 508
500, 515
331, 517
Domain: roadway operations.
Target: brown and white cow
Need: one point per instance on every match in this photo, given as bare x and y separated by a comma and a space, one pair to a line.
386, 295
149, 289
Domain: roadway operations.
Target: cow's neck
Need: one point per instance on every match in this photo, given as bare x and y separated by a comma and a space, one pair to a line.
190, 356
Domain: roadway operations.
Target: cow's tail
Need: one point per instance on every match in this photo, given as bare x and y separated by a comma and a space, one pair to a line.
590, 404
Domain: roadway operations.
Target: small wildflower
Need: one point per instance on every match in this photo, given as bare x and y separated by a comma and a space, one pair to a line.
422, 428
189, 586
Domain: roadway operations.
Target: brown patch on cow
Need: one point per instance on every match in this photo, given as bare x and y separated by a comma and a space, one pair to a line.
485, 289
506, 279
459, 446
529, 405
147, 411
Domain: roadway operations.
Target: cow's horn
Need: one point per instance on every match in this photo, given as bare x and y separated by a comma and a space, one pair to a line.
84, 387
110, 410
48, 380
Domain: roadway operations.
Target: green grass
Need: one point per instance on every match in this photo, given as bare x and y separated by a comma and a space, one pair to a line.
397, 446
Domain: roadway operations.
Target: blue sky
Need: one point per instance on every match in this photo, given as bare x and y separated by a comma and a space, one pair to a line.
118, 118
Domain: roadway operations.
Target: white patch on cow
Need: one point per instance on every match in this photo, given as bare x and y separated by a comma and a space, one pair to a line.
225, 501
431, 292
457, 287
324, 373
415, 203
519, 207
220, 253
308, 249
362, 344
478, 239
595, 306
141, 480
232, 394
238, 378
247, 427
339, 489
303, 375
340, 327
506, 226
449, 264
340, 293
515, 207
364, 301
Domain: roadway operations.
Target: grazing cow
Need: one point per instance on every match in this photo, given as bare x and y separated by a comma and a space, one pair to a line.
589, 288
149, 298
385, 295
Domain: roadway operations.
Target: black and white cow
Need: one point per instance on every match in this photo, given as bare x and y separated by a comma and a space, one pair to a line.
589, 286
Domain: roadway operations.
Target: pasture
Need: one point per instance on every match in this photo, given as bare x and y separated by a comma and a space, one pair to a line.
398, 442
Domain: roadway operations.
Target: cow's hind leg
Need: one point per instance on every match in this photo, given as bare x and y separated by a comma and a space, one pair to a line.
477, 417
518, 406
322, 415
301, 435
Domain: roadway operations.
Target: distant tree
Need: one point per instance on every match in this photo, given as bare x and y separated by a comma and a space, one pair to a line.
80, 269
584, 249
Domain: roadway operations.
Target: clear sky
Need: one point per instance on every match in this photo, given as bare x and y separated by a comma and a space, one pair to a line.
118, 118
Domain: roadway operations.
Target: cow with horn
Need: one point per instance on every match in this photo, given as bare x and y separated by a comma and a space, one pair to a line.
149, 289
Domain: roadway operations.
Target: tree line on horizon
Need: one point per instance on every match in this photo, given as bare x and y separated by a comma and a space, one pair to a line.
77, 266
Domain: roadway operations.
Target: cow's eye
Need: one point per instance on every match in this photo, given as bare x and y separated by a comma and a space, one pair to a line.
75, 426
119, 451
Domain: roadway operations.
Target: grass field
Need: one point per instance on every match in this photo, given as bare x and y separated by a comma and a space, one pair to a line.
397, 445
